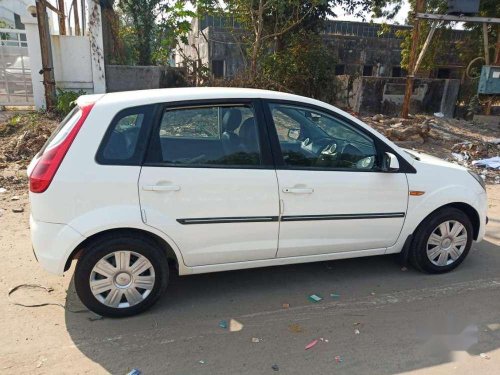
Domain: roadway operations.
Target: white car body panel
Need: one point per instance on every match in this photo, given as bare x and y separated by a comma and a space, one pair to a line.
215, 193
340, 193
86, 198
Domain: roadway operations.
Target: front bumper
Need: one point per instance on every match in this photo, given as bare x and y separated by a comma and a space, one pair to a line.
53, 244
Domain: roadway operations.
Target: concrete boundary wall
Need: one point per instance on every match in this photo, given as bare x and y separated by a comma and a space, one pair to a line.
125, 78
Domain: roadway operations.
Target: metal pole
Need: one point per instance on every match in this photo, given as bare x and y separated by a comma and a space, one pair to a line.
486, 44
46, 51
76, 17
497, 47
434, 26
62, 18
413, 54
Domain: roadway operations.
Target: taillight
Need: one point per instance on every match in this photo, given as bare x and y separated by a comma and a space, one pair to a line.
45, 169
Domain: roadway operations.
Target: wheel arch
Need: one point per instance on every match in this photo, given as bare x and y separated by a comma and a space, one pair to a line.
160, 242
467, 209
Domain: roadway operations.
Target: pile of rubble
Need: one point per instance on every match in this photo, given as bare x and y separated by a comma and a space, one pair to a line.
22, 136
463, 142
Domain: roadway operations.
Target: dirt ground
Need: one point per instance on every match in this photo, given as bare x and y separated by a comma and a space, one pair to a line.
408, 322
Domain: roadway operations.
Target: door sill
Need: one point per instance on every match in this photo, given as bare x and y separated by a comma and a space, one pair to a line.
281, 261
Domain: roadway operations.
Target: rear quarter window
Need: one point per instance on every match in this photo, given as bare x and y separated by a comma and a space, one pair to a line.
126, 138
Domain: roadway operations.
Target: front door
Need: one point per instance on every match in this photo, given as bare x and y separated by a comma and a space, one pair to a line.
334, 196
210, 185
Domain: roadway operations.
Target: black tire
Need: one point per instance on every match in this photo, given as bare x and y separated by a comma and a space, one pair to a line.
107, 245
418, 251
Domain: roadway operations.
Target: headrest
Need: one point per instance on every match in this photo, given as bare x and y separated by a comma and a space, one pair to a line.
248, 129
231, 120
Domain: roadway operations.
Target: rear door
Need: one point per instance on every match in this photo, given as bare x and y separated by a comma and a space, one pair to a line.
335, 197
209, 182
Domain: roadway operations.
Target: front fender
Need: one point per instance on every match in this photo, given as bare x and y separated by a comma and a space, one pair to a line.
419, 207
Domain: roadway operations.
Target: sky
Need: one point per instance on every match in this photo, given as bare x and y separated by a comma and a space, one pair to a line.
400, 17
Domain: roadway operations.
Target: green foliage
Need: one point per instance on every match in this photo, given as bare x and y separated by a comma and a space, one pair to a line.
304, 66
66, 100
152, 28
466, 49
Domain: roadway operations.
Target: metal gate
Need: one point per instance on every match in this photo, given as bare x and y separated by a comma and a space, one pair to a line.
16, 88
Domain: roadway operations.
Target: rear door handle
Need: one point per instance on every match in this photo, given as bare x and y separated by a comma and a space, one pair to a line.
298, 190
161, 187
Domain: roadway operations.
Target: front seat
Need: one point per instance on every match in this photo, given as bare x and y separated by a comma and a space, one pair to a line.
249, 136
231, 142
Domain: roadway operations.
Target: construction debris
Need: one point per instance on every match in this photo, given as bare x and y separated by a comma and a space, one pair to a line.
314, 298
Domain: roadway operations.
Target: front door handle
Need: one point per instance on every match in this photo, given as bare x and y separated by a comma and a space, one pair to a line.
298, 190
161, 187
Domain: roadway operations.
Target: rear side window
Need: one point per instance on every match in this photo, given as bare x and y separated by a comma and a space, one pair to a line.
211, 136
126, 138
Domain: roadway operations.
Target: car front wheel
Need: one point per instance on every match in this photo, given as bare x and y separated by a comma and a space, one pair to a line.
120, 277
442, 241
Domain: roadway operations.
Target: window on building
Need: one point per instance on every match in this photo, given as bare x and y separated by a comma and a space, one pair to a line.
218, 68
397, 71
367, 70
443, 73
339, 69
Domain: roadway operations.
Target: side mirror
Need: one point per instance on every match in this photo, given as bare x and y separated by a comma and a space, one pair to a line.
294, 134
390, 163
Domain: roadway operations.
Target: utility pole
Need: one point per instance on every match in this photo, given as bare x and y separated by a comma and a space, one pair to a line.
62, 20
46, 51
419, 8
76, 17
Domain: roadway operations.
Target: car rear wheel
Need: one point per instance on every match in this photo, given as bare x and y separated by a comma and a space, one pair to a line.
120, 277
442, 241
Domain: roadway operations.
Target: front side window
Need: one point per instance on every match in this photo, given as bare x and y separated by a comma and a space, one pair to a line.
313, 139
218, 135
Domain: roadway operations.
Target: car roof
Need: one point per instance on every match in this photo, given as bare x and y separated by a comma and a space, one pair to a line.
140, 97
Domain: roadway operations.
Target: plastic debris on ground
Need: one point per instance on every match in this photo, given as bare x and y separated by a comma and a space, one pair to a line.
256, 339
235, 326
315, 298
295, 328
311, 344
275, 367
484, 356
3, 190
356, 332
223, 324
201, 362
322, 339
334, 295
493, 163
339, 359
135, 372
286, 305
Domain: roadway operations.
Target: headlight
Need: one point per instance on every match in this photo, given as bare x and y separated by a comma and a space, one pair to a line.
478, 178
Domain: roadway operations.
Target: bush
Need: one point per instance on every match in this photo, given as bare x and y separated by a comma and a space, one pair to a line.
66, 100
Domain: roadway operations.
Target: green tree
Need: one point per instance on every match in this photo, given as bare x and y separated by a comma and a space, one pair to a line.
304, 66
269, 22
156, 26
467, 48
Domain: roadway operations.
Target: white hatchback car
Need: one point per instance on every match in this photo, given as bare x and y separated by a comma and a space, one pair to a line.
219, 179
